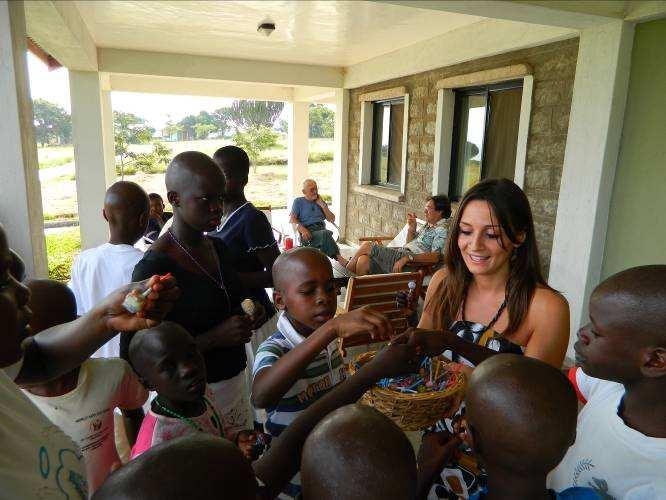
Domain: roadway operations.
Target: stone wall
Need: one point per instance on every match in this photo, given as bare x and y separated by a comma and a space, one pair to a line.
554, 67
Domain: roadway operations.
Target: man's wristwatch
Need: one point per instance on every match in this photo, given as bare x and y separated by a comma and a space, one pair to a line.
410, 257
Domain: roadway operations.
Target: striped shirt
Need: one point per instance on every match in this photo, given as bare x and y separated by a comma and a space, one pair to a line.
324, 372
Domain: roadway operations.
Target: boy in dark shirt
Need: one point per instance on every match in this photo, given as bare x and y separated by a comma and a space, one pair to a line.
209, 306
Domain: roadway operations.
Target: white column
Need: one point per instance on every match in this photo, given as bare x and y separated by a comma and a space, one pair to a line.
341, 143
92, 133
299, 123
21, 200
593, 141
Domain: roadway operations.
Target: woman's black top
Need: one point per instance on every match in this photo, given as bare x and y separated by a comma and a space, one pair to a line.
201, 306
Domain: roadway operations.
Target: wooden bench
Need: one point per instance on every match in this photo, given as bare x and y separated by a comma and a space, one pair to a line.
378, 292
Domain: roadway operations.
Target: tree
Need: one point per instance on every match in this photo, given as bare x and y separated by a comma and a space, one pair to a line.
171, 129
254, 141
322, 121
202, 130
133, 128
52, 123
245, 115
129, 129
283, 126
161, 153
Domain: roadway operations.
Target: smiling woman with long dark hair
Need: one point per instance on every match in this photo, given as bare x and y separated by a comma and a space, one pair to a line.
491, 297
491, 294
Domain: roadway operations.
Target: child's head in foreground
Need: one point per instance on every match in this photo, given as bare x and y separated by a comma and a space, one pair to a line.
304, 287
195, 467
168, 361
521, 415
625, 340
356, 452
52, 303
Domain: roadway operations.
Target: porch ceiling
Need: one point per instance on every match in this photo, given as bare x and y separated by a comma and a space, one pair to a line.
327, 33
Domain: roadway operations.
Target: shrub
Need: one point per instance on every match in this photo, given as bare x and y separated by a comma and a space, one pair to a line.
62, 247
270, 160
320, 156
56, 162
61, 216
128, 169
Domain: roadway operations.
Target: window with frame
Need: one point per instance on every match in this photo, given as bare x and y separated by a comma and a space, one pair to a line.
387, 142
485, 134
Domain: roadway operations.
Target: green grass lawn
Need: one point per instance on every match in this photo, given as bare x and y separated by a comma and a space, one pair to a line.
61, 248
54, 156
268, 185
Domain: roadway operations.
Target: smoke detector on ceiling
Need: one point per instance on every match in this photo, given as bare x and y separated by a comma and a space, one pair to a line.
266, 27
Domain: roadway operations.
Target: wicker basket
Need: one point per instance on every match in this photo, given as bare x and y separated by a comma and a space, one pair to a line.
413, 412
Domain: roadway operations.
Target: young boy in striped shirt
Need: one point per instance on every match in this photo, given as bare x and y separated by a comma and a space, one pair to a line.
300, 363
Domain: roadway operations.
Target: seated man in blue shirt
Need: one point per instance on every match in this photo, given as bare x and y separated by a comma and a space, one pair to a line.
309, 213
422, 246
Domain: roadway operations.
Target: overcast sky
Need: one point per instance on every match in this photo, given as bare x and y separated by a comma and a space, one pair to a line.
157, 109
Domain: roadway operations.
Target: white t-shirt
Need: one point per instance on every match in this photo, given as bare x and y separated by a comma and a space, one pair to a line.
608, 456
86, 413
95, 274
37, 460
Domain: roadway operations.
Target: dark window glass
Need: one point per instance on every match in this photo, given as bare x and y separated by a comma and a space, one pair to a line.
387, 128
485, 135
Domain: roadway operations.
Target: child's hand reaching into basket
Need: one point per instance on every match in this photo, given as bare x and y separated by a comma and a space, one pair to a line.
395, 359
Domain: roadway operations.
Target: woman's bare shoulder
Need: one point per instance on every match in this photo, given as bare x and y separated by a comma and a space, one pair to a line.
547, 302
439, 276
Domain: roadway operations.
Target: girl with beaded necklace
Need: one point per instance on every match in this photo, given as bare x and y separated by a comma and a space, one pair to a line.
167, 360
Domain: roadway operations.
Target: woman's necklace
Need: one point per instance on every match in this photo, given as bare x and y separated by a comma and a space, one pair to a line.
189, 421
492, 321
219, 283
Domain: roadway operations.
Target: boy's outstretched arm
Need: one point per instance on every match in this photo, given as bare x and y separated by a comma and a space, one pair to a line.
60, 349
273, 382
283, 460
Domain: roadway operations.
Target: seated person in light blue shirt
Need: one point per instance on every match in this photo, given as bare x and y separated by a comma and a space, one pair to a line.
421, 246
309, 213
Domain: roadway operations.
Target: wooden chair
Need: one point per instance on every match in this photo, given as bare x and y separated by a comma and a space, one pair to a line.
378, 292
426, 268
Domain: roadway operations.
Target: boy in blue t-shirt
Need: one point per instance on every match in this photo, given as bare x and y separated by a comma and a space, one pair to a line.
300, 363
309, 213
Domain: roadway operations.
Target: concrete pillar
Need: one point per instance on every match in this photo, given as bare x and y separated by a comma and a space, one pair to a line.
92, 134
593, 141
21, 200
341, 142
299, 123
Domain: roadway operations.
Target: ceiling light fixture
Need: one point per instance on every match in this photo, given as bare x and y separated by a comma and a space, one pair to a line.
266, 27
